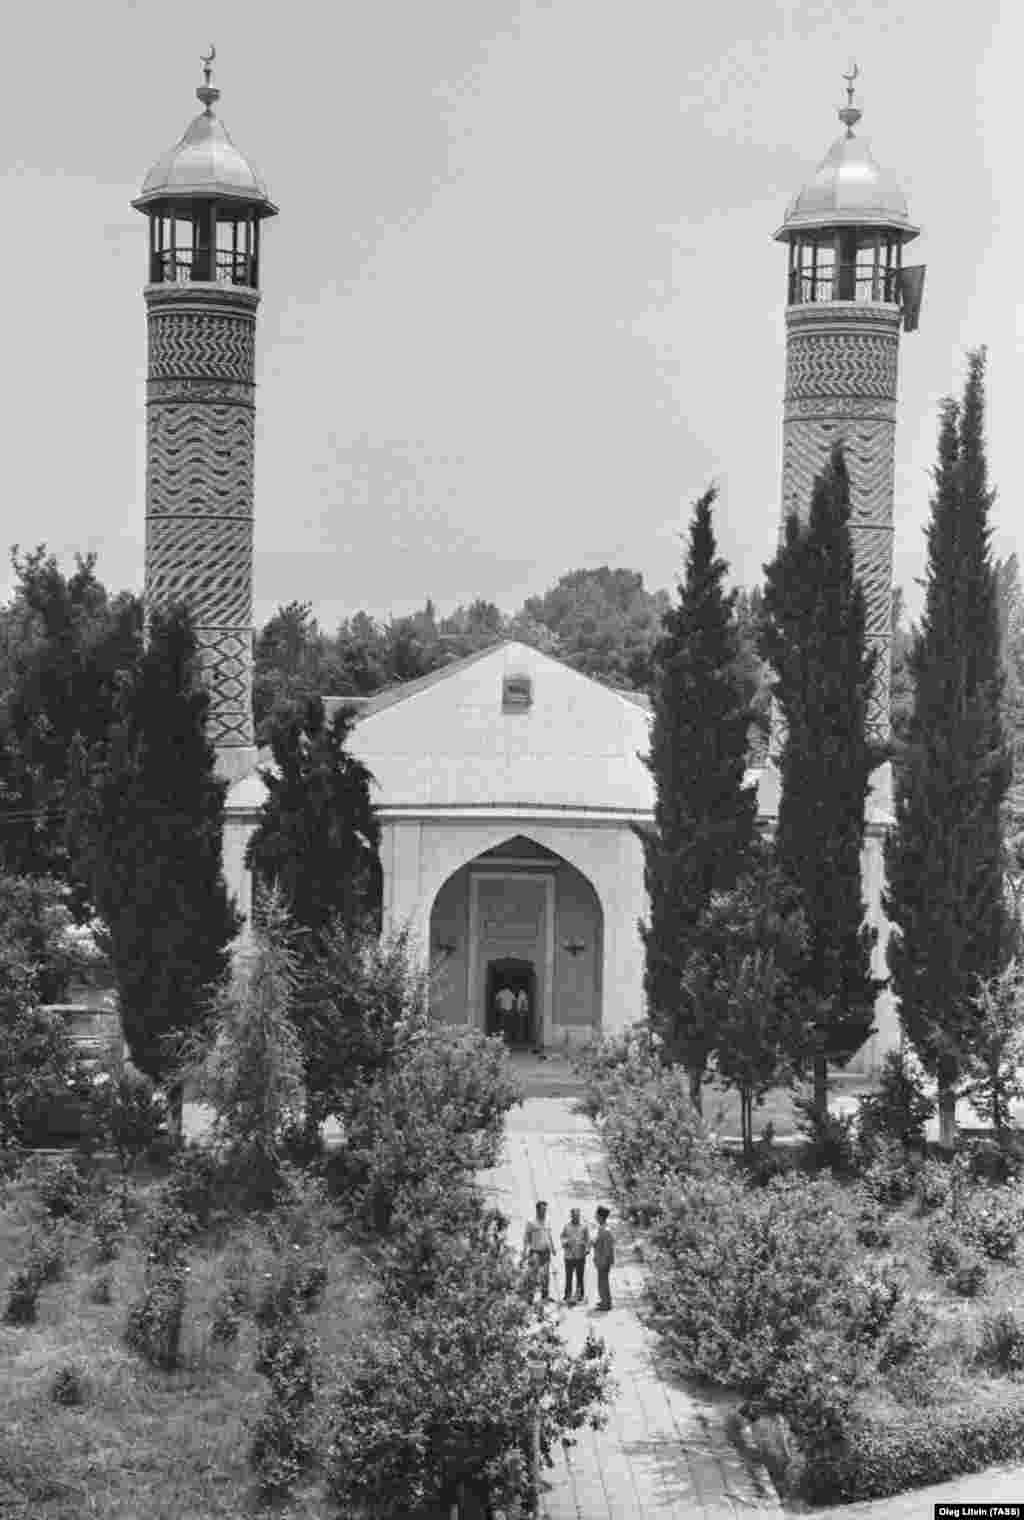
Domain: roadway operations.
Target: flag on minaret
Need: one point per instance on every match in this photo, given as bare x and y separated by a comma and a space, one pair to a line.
911, 286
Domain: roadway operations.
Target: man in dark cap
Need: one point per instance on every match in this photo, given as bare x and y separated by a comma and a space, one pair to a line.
604, 1259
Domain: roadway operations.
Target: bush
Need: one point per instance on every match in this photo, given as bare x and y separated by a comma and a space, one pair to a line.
908, 1338
439, 1114
886, 1175
615, 1063
281, 1447
969, 1276
154, 1323
102, 1289
829, 1139
933, 1186
992, 1221
741, 1278
885, 1456
22, 1297
988, 1161
192, 1187
899, 1111
873, 1227
108, 1227
126, 1113
653, 1133
68, 1386
1001, 1342
61, 1188
944, 1246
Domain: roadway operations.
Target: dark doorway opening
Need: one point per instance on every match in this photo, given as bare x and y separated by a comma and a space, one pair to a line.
512, 1002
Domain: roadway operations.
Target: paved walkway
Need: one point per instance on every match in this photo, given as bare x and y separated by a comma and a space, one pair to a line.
664, 1452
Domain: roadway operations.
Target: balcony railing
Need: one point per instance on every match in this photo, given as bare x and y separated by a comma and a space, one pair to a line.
180, 266
843, 283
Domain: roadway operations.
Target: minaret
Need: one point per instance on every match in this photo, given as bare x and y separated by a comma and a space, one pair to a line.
848, 296
205, 204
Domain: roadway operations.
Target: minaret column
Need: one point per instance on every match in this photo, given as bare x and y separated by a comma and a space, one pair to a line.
199, 488
841, 384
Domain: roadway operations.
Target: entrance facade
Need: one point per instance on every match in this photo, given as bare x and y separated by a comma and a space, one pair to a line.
517, 946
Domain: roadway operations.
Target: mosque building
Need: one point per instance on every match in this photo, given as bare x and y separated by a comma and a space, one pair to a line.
510, 788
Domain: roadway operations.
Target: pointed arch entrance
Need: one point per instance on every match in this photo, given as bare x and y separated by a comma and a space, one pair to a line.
516, 939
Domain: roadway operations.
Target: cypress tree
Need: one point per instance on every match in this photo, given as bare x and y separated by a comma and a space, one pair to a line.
813, 635
704, 817
318, 836
149, 815
944, 860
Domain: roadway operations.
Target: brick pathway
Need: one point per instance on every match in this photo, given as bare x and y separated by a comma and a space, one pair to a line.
664, 1452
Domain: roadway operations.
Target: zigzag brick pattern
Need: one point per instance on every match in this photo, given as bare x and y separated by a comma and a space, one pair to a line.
841, 384
201, 343
199, 486
199, 459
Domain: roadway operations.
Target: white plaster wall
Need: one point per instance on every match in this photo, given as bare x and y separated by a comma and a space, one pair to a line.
238, 830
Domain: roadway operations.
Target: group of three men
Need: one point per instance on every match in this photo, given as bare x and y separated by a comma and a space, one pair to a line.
539, 1248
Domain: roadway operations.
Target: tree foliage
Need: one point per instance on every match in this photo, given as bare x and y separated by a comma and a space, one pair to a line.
944, 860
318, 835
149, 815
814, 638
65, 646
704, 816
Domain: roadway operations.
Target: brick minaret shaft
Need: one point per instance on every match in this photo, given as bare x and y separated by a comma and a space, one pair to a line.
848, 297
205, 203
199, 483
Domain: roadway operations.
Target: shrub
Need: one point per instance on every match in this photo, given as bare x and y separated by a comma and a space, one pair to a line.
944, 1245
871, 1303
992, 1221
68, 1386
108, 1227
969, 1276
22, 1297
281, 1446
740, 1278
829, 1139
439, 1113
989, 1161
102, 1289
652, 1133
899, 1111
61, 1188
1001, 1341
154, 1323
127, 1113
616, 1063
933, 1186
873, 1227
191, 1189
886, 1175
908, 1337
884, 1456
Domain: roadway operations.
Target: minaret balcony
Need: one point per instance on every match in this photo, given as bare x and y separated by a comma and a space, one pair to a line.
845, 283
189, 266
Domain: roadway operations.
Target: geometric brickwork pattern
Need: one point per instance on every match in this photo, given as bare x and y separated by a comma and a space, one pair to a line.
841, 385
199, 483
199, 459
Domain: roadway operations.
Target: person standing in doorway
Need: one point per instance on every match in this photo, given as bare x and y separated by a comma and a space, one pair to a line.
604, 1259
538, 1249
505, 1007
523, 1016
575, 1245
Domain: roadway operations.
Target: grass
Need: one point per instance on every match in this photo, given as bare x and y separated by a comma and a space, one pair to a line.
170, 1446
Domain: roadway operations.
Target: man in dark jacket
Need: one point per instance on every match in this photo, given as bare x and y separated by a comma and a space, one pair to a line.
604, 1259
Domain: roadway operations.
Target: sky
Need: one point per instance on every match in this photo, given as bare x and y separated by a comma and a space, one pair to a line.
521, 305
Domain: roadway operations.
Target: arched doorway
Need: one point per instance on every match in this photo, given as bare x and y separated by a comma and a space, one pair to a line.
523, 909
510, 1007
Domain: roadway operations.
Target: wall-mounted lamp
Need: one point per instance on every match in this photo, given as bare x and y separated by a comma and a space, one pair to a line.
575, 946
445, 947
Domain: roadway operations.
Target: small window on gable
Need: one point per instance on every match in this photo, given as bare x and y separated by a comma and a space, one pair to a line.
516, 694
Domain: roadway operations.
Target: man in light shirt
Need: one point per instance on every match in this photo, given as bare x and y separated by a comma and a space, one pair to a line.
575, 1245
